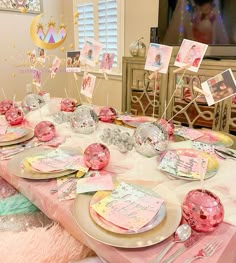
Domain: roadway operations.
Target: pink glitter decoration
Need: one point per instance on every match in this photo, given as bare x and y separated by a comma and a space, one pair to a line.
14, 116
68, 105
107, 114
168, 126
5, 105
45, 131
96, 156
202, 210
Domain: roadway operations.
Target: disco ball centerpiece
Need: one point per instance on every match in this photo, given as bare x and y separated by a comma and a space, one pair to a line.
150, 139
107, 114
32, 102
84, 120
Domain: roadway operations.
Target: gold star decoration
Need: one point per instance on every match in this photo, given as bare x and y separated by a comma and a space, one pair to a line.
76, 14
71, 45
23, 10
62, 48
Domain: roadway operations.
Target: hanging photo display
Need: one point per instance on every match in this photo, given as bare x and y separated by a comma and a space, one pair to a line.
91, 51
158, 58
220, 87
72, 61
190, 53
88, 84
107, 61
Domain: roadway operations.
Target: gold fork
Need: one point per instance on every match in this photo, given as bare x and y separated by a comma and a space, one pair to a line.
205, 252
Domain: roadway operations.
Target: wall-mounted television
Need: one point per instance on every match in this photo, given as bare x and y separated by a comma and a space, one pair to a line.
208, 21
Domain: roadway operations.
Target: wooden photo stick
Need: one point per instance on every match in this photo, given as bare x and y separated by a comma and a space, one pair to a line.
176, 88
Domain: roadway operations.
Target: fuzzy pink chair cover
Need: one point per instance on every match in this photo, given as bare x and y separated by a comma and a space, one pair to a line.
41, 245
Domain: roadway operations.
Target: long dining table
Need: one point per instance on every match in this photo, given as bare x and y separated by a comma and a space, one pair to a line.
136, 168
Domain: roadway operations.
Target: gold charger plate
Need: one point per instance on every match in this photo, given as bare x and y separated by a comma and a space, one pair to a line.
156, 235
29, 134
12, 134
15, 166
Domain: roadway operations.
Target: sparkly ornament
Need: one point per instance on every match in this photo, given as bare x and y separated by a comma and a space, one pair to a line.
84, 120
68, 105
45, 131
107, 114
5, 105
202, 210
150, 139
14, 116
122, 140
62, 117
32, 102
96, 156
168, 126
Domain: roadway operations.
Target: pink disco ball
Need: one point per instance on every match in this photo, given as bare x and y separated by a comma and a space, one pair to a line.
107, 114
14, 116
68, 105
202, 210
96, 156
168, 126
5, 105
44, 131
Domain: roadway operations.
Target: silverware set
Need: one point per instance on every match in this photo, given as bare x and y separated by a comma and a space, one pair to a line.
208, 250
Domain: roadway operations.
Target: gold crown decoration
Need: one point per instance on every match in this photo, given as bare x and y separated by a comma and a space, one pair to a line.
49, 40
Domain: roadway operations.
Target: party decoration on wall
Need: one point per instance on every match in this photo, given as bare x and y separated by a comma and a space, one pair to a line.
49, 40
44, 131
23, 6
96, 156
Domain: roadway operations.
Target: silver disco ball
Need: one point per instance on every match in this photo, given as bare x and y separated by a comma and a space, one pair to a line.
150, 139
84, 120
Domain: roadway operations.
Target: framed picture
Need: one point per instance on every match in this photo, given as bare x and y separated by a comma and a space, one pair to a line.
29, 6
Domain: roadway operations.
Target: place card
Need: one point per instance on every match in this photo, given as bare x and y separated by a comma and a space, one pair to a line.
192, 167
95, 183
188, 133
128, 207
205, 147
169, 162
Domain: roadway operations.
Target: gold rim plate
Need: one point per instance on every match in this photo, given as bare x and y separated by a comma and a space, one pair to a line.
15, 165
29, 134
156, 235
157, 219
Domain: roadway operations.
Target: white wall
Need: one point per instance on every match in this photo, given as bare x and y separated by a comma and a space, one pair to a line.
16, 42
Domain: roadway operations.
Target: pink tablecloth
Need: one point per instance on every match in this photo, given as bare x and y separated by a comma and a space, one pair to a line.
39, 193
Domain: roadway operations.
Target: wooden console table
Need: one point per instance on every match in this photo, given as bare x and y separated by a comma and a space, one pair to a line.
138, 94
